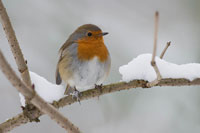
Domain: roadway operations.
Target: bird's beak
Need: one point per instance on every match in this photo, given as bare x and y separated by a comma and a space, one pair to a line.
104, 33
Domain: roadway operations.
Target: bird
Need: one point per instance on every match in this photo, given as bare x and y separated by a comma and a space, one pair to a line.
84, 61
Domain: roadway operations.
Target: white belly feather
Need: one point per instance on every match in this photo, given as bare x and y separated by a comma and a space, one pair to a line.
89, 73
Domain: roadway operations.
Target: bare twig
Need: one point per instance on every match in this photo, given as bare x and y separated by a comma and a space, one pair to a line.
36, 100
10, 34
88, 94
155, 36
153, 62
165, 49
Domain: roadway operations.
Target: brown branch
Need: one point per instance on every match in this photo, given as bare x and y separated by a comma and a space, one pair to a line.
153, 62
14, 45
35, 99
88, 94
165, 49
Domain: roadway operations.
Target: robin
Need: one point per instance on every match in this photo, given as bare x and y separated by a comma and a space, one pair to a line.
84, 59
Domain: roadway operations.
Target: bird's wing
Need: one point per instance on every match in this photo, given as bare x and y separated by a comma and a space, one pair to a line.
64, 46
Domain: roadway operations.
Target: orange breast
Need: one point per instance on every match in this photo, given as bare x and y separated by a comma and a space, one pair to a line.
89, 48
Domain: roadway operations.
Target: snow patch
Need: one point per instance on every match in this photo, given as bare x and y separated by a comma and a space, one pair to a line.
48, 91
140, 68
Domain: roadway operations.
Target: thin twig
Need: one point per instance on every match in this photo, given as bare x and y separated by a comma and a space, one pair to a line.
92, 93
36, 100
14, 45
153, 62
165, 49
155, 36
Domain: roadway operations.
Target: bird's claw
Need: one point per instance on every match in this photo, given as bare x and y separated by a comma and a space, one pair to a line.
76, 95
99, 87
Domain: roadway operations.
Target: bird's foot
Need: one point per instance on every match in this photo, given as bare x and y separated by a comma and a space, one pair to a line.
99, 87
76, 95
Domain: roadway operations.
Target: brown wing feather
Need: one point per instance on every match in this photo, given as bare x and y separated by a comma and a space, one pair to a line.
65, 45
58, 78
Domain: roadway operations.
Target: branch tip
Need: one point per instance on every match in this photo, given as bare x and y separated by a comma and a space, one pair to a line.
156, 13
165, 49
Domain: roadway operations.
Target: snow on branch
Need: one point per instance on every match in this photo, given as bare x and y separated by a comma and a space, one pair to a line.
35, 99
48, 91
140, 68
133, 76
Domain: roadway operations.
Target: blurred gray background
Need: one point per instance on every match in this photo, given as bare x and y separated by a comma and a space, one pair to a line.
42, 26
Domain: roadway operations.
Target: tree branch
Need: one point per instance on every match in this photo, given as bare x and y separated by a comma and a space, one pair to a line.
14, 45
88, 94
35, 99
48, 109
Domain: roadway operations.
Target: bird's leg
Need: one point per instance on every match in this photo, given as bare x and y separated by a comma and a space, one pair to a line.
76, 95
72, 91
68, 90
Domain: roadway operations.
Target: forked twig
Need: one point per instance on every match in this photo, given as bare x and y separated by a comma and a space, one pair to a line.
153, 62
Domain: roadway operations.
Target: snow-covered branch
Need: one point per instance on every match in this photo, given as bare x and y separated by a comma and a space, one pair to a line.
138, 73
35, 99
92, 93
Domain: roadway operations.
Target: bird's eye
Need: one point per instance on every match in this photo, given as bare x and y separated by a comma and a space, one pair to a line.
89, 34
